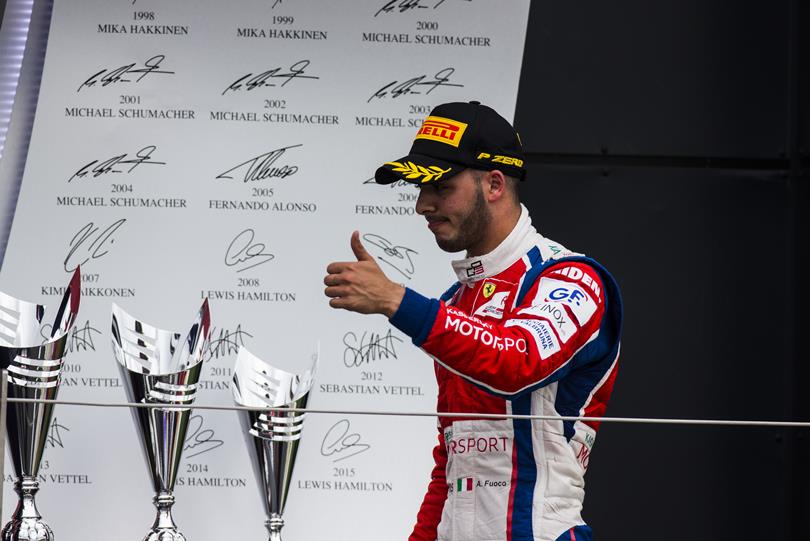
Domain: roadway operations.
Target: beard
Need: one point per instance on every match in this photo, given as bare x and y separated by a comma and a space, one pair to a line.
471, 228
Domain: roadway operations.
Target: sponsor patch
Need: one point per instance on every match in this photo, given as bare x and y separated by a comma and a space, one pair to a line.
465, 327
541, 332
493, 308
575, 273
475, 268
560, 292
488, 289
478, 444
443, 130
556, 313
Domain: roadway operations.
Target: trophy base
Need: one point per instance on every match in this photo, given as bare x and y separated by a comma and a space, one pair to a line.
164, 534
26, 529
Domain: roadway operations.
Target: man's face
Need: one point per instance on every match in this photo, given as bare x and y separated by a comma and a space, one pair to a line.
456, 211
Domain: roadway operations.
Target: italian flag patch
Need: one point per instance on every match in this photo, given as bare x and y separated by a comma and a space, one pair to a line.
465, 484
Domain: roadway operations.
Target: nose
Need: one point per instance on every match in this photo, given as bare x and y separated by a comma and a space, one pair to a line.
425, 203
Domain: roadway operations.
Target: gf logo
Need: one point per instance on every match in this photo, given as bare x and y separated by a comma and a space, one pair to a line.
571, 296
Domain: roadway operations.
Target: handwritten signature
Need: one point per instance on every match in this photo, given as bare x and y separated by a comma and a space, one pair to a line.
121, 75
401, 6
91, 242
261, 167
55, 432
398, 257
80, 337
396, 184
97, 169
227, 342
267, 78
242, 249
395, 89
200, 439
377, 346
338, 441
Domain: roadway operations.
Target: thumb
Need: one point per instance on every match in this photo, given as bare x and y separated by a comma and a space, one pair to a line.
359, 250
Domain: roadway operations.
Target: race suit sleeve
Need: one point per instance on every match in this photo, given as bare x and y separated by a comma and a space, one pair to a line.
430, 513
533, 346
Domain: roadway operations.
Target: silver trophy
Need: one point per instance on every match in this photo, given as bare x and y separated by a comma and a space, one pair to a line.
34, 373
271, 436
161, 367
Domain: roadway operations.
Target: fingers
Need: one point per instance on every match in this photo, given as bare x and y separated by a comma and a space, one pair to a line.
339, 266
338, 303
359, 250
336, 291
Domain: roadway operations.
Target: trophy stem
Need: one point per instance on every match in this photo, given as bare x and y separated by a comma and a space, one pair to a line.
164, 528
274, 525
26, 522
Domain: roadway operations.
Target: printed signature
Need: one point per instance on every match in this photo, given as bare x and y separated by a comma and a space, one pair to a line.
395, 89
268, 78
339, 441
397, 257
96, 169
242, 250
227, 342
80, 337
369, 347
121, 75
55, 432
91, 242
201, 439
261, 167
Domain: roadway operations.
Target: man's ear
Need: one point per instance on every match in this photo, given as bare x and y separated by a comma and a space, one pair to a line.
496, 185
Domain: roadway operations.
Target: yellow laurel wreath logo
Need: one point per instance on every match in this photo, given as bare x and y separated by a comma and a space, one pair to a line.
413, 171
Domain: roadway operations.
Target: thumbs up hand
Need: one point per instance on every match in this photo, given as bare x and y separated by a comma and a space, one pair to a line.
361, 286
359, 250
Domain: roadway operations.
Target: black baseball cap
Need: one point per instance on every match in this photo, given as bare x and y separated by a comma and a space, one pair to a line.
456, 136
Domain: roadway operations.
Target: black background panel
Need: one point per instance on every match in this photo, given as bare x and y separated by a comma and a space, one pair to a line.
660, 78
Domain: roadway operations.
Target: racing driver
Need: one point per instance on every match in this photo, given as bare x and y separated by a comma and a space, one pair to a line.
530, 328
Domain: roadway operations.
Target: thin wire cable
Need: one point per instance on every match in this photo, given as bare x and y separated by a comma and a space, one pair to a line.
459, 415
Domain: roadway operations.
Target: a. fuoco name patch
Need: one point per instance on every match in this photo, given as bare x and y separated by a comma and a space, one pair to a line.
443, 130
571, 295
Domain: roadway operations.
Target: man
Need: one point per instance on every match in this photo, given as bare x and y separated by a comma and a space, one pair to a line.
530, 329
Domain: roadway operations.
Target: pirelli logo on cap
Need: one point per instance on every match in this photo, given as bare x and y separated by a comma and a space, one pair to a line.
443, 130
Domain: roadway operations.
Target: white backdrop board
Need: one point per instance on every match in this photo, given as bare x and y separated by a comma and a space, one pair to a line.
184, 150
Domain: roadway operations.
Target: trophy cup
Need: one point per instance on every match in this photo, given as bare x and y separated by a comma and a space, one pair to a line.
160, 367
33, 373
271, 436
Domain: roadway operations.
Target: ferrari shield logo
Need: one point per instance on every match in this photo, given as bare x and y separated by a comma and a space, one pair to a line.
488, 289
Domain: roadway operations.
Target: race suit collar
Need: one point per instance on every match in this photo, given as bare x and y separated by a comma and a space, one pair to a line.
513, 247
